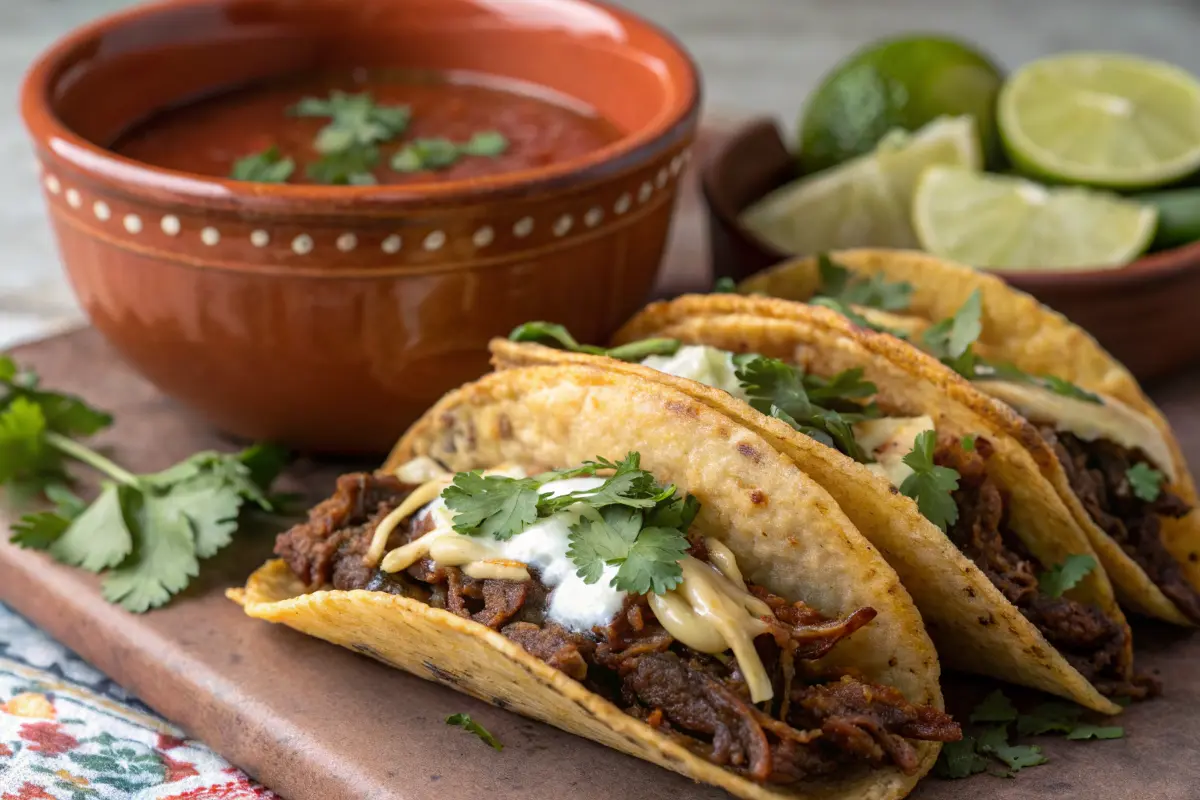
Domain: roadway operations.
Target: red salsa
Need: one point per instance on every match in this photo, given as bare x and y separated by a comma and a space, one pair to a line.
450, 126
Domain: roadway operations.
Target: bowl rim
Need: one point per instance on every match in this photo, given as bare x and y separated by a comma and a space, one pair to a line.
1147, 268
668, 127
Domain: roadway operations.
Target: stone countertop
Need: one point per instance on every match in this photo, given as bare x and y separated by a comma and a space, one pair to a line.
756, 55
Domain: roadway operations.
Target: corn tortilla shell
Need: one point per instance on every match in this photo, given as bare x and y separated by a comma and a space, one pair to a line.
912, 383
1019, 329
787, 533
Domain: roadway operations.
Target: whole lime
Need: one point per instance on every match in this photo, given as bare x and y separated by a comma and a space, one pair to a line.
905, 83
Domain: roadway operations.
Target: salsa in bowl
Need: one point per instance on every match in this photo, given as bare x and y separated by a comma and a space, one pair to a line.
277, 210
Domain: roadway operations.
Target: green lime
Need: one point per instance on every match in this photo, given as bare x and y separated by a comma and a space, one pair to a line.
866, 201
1001, 222
1178, 217
897, 83
1102, 119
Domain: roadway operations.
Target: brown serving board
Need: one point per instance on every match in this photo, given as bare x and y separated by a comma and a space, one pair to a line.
316, 722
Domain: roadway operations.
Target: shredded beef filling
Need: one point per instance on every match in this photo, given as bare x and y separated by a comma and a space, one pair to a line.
1098, 474
1091, 642
817, 723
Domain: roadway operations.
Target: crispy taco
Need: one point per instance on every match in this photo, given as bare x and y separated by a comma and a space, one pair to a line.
1010, 589
700, 603
1119, 467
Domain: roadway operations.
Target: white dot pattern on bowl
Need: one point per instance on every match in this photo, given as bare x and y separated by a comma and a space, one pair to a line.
484, 236
435, 240
302, 245
347, 242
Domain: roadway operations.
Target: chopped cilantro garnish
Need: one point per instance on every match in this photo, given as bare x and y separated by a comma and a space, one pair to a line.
555, 335
996, 707
629, 521
355, 120
433, 154
725, 285
147, 533
465, 722
931, 486
1145, 481
968, 442
351, 166
959, 760
1063, 577
1085, 731
488, 144
1010, 372
951, 339
1053, 717
841, 285
994, 742
269, 166
822, 409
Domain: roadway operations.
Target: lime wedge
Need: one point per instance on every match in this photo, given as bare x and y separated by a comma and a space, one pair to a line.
866, 201
1102, 120
1011, 223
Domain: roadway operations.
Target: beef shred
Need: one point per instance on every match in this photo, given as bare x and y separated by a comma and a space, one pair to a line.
1098, 473
817, 723
1092, 643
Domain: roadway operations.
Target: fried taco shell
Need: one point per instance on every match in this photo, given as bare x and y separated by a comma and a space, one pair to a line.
1017, 329
910, 384
791, 542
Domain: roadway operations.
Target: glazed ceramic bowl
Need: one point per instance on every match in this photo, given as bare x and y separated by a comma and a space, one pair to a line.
329, 317
1144, 314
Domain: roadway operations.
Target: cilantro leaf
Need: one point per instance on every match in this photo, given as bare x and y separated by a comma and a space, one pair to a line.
355, 120
1063, 577
465, 722
724, 285
1011, 372
1051, 717
1068, 389
994, 742
1145, 481
164, 558
841, 285
1082, 732
931, 486
652, 563
959, 760
268, 166
426, 154
596, 542
950, 339
39, 530
996, 707
352, 166
488, 144
782, 391
968, 442
552, 334
491, 505
100, 537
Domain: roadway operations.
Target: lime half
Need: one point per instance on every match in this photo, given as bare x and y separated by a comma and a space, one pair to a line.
1102, 120
1011, 223
865, 202
905, 83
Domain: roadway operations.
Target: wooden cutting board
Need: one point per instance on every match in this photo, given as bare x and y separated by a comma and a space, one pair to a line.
316, 722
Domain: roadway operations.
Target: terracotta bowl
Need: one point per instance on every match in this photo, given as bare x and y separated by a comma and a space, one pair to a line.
329, 317
1144, 314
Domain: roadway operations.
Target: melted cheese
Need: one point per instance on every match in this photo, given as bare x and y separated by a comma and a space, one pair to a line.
702, 364
1110, 419
710, 613
422, 496
888, 441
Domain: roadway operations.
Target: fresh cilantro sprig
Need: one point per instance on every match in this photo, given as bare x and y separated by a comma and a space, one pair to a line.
268, 166
1145, 481
1065, 576
350, 167
146, 533
930, 485
440, 153
354, 120
465, 722
555, 335
952, 340
979, 752
848, 289
822, 409
628, 522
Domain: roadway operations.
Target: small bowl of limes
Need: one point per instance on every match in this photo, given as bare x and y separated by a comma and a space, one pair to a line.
1075, 177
